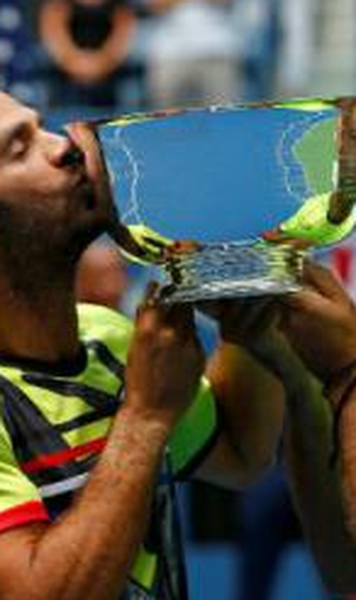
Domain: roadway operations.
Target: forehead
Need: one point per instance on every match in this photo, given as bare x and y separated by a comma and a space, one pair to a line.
11, 109
13, 117
8, 103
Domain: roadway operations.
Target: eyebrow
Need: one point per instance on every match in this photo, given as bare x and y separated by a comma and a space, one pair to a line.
16, 129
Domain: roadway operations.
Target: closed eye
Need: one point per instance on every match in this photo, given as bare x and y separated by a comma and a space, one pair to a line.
18, 147
17, 137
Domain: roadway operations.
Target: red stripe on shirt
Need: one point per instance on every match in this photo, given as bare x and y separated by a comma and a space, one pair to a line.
29, 512
47, 461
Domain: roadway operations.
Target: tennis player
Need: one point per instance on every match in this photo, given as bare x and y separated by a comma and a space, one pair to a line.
101, 417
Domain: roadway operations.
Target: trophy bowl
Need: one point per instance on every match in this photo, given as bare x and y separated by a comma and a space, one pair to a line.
227, 200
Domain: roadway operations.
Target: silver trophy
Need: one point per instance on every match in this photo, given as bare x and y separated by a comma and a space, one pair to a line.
226, 201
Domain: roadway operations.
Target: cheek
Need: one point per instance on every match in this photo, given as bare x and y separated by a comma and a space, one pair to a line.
28, 182
37, 203
47, 183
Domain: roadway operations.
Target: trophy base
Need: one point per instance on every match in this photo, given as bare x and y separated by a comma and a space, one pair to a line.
228, 270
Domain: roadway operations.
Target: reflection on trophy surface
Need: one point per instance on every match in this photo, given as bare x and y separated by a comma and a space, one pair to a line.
228, 200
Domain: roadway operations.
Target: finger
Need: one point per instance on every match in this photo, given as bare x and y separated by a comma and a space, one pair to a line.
269, 314
245, 318
307, 301
178, 316
181, 317
322, 279
233, 308
258, 317
210, 308
151, 294
149, 303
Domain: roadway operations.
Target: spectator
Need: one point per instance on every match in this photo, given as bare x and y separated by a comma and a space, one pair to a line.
18, 60
257, 30
297, 47
87, 42
191, 58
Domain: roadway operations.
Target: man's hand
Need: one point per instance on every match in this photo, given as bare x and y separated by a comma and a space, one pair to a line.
240, 321
320, 322
165, 360
253, 324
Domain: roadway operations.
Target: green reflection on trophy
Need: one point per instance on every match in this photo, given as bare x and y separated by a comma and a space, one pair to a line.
328, 217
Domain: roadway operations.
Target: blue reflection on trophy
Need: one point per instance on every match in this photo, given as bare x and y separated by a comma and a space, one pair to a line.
228, 200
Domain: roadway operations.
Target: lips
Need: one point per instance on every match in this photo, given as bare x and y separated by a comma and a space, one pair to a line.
83, 138
84, 142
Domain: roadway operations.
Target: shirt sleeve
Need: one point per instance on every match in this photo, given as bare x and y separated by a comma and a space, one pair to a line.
195, 434
20, 501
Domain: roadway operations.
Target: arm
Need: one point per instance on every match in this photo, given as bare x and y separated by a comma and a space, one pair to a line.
320, 323
250, 404
315, 484
53, 30
162, 6
115, 50
319, 488
95, 65
88, 553
86, 66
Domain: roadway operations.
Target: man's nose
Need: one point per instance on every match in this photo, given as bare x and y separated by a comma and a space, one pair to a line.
63, 152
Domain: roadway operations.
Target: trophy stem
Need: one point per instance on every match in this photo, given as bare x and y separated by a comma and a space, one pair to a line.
249, 268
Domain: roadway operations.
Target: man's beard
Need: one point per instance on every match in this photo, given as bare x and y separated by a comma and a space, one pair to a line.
39, 252
36, 255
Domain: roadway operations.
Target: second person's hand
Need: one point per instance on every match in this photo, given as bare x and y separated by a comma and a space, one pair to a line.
320, 322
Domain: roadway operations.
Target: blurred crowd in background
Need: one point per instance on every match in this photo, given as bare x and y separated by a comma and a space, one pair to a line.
120, 56
129, 54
